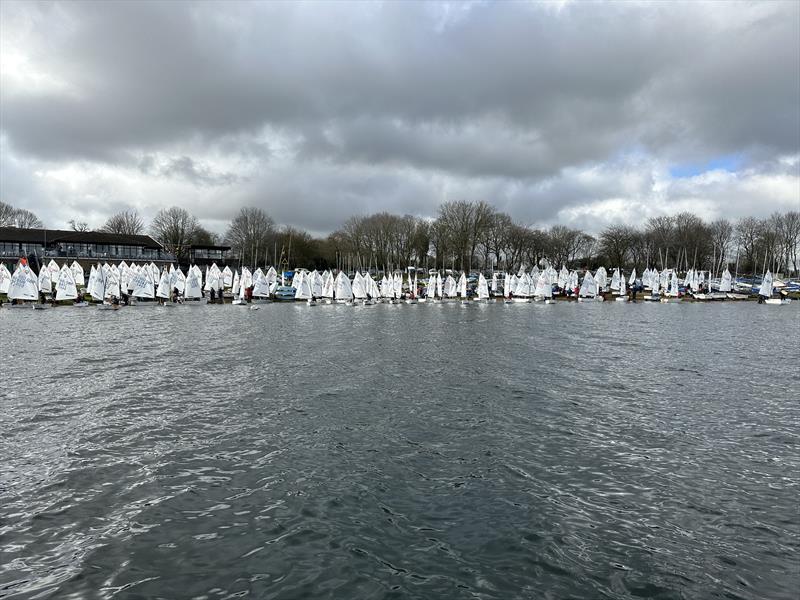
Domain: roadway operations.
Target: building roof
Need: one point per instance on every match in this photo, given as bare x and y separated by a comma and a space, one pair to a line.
40, 236
208, 247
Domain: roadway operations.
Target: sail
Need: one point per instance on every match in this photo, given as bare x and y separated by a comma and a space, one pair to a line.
654, 281
246, 280
494, 283
543, 287
5, 279
260, 284
227, 276
45, 283
65, 286
164, 287
179, 281
673, 284
462, 286
358, 287
483, 288
302, 285
97, 285
725, 281
344, 291
112, 283
23, 284
766, 285
235, 284
563, 278
193, 286
521, 271
54, 269
588, 286
615, 280
316, 284
77, 273
327, 285
632, 278
142, 283
398, 285
450, 287
622, 289
430, 291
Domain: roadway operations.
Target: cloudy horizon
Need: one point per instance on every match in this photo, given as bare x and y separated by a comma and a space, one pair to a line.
583, 114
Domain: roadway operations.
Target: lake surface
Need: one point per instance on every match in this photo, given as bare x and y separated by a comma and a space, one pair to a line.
430, 451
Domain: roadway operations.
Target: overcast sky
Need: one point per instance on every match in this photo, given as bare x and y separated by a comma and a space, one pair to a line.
577, 113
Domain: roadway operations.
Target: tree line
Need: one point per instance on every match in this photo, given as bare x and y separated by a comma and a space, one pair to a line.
470, 236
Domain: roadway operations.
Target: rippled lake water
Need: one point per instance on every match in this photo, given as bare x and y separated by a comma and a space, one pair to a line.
429, 451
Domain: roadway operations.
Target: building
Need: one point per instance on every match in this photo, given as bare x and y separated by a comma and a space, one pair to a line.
89, 247
84, 246
205, 254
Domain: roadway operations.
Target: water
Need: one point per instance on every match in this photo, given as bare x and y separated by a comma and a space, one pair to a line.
430, 451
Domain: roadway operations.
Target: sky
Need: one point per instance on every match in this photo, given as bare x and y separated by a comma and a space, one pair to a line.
577, 113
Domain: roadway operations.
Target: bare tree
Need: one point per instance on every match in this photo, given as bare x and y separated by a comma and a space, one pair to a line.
251, 235
127, 222
721, 238
7, 213
18, 217
78, 225
616, 243
27, 220
175, 229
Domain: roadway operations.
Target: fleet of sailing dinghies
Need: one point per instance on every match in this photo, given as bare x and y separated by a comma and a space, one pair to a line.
111, 285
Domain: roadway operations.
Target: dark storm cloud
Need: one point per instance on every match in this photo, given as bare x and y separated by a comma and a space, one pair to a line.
498, 98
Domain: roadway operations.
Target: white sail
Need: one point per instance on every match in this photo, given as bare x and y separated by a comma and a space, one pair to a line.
23, 285
398, 285
261, 287
632, 278
303, 287
494, 283
430, 291
65, 286
462, 286
343, 291
44, 282
439, 284
316, 284
450, 287
164, 287
97, 284
766, 285
227, 277
77, 273
673, 284
193, 288
235, 284
112, 283
588, 287
54, 269
654, 281
327, 285
483, 288
358, 287
5, 279
142, 283
615, 280
601, 278
543, 287
725, 281
563, 278
507, 291
179, 280
622, 290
